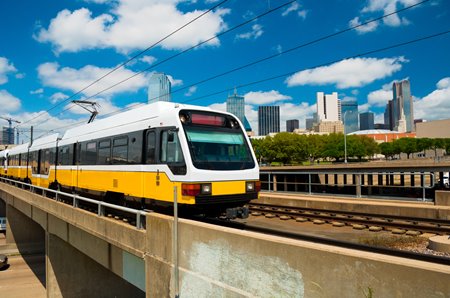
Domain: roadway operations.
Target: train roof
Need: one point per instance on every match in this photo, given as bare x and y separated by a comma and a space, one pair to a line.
45, 142
154, 114
22, 148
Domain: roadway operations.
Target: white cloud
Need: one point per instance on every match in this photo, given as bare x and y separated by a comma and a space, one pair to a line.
385, 7
52, 75
363, 28
174, 82
5, 68
355, 72
379, 98
293, 7
57, 97
130, 25
37, 91
9, 102
302, 13
253, 34
435, 105
148, 59
364, 108
191, 91
261, 97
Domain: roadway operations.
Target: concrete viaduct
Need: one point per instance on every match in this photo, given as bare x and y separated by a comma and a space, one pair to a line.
92, 256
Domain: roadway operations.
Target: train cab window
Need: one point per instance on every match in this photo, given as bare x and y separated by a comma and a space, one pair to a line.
104, 152
120, 150
170, 152
151, 145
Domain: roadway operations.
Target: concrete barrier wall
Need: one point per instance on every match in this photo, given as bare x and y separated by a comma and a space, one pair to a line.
221, 262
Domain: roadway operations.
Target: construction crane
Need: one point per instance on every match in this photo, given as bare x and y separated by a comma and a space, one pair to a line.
10, 130
84, 103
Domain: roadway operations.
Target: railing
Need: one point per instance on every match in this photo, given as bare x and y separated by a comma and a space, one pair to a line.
101, 206
399, 184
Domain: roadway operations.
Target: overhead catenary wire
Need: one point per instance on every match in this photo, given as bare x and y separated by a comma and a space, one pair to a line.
180, 53
302, 45
286, 51
284, 75
130, 59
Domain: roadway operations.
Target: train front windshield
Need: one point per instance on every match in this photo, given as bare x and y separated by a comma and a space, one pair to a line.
218, 147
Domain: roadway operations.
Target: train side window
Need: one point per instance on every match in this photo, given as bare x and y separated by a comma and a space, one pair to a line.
34, 157
88, 153
120, 150
104, 152
135, 147
151, 146
45, 160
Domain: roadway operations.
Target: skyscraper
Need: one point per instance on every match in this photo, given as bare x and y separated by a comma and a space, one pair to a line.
268, 119
366, 121
349, 110
291, 125
327, 107
403, 106
159, 88
309, 123
389, 115
236, 106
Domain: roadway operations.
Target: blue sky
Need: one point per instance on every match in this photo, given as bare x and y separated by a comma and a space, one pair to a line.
50, 50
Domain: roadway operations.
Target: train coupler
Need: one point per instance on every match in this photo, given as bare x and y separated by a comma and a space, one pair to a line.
238, 212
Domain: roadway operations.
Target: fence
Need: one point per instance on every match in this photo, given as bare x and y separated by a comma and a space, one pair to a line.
76, 199
411, 185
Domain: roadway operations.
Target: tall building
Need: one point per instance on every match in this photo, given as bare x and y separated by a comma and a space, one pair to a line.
159, 88
366, 121
327, 107
389, 115
236, 106
268, 119
309, 123
349, 110
6, 136
403, 113
291, 125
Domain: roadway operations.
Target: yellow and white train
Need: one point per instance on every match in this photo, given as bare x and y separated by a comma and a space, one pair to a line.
138, 156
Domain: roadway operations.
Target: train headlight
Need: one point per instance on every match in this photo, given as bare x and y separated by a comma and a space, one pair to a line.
206, 189
253, 186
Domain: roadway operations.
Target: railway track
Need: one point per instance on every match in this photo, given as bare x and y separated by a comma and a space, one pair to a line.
395, 224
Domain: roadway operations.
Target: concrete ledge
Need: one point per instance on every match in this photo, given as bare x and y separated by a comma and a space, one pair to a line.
119, 234
442, 198
381, 207
221, 262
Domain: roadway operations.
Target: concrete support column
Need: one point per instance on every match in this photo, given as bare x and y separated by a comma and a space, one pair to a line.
358, 184
71, 273
274, 182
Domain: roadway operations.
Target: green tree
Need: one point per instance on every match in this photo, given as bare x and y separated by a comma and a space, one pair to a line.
406, 145
333, 146
387, 149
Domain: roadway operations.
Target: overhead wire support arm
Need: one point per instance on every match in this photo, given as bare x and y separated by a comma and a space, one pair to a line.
93, 110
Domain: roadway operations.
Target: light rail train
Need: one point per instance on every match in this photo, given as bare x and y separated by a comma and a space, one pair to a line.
137, 157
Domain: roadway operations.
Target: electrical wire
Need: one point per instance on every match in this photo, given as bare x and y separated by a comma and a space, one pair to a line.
129, 60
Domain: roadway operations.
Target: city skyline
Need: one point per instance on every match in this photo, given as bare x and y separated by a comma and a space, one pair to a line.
34, 88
